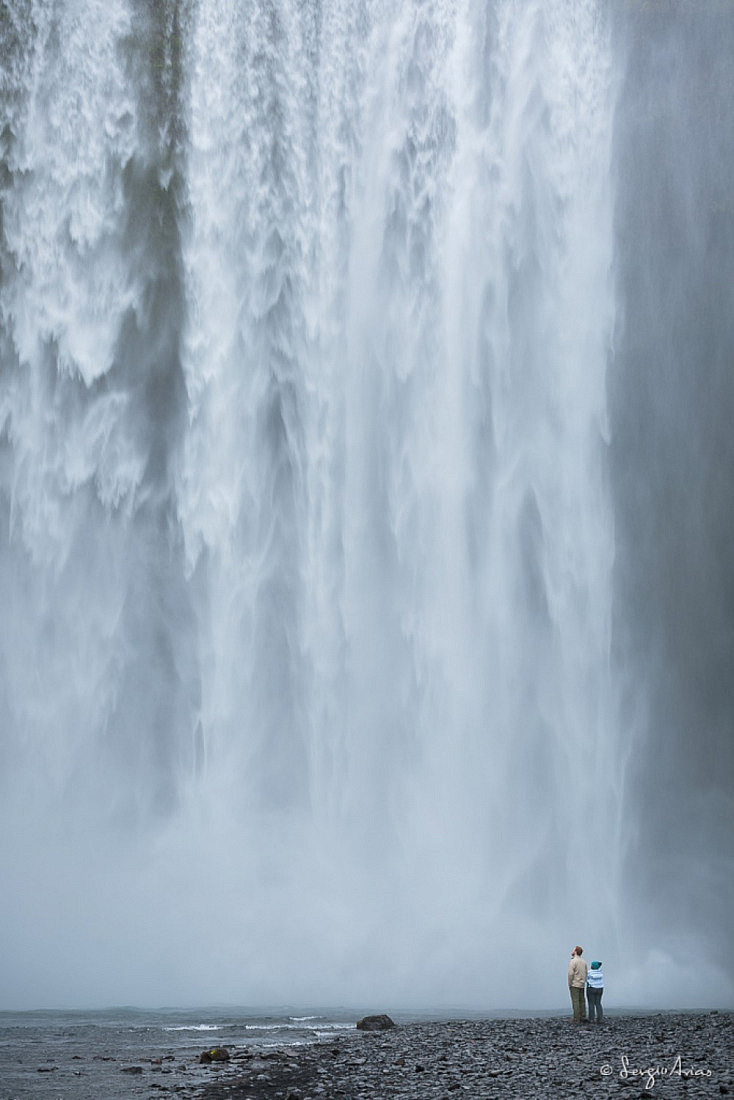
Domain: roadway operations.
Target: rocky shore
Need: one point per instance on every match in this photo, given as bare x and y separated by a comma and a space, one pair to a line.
666, 1055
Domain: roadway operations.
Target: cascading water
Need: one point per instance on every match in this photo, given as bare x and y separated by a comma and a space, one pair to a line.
307, 680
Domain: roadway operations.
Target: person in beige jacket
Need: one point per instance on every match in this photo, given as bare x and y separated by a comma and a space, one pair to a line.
577, 971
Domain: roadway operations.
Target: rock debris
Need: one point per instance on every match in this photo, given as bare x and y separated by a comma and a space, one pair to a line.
670, 1056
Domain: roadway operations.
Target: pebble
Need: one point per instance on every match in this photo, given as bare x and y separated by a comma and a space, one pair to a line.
666, 1055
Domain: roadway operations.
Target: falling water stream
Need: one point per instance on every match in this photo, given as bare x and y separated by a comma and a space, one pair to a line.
318, 678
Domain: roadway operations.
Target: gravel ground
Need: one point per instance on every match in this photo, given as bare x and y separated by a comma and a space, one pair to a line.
667, 1055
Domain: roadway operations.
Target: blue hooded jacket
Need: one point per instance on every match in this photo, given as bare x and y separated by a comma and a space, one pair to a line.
595, 977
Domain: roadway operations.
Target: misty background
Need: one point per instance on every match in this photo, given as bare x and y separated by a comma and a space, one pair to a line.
365, 502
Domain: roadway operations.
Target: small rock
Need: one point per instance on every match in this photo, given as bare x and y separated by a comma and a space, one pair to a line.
132, 1069
216, 1054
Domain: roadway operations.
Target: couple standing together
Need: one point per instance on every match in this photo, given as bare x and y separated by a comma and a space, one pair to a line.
584, 982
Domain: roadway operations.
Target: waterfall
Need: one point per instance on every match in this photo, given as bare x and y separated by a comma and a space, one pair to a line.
320, 626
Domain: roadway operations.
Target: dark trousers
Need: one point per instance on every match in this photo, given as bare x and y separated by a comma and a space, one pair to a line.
595, 1009
579, 1003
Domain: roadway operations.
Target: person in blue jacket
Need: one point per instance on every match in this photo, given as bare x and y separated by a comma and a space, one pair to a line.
594, 991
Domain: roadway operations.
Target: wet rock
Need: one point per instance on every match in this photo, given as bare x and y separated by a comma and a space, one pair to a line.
380, 1022
216, 1054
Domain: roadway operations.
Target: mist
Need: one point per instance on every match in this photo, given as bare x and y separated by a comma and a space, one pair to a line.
365, 502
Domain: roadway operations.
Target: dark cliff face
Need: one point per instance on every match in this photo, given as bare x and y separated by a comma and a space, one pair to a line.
672, 458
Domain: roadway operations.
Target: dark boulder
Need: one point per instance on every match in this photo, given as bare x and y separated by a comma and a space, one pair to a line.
216, 1054
375, 1023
